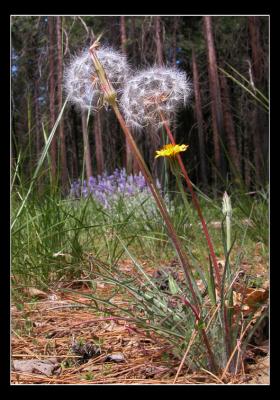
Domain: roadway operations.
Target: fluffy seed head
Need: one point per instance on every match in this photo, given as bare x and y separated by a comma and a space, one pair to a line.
81, 82
153, 90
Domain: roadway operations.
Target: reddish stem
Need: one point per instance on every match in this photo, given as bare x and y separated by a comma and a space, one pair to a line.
203, 333
205, 229
197, 206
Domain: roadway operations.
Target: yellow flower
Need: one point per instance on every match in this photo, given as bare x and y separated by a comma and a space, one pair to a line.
170, 150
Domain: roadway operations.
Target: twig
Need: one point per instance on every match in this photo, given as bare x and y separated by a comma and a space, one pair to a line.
24, 341
214, 376
185, 355
48, 356
67, 306
234, 350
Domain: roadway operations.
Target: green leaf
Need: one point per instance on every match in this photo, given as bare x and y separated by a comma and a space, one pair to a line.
173, 287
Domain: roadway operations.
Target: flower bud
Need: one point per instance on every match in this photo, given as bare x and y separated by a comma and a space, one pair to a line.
227, 209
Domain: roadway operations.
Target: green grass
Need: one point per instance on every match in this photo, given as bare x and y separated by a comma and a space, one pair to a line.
51, 235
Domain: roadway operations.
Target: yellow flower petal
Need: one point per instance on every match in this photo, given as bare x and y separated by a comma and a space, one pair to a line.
170, 150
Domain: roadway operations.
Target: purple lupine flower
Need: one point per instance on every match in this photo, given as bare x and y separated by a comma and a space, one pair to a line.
107, 190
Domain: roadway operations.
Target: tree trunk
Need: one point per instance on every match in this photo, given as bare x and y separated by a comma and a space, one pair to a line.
257, 120
52, 96
229, 128
14, 136
159, 48
174, 40
63, 154
257, 52
86, 145
216, 104
129, 156
75, 152
135, 165
199, 117
98, 143
255, 133
134, 38
123, 34
37, 120
246, 157
158, 165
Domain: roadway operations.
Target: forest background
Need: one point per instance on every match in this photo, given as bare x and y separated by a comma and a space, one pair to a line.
225, 125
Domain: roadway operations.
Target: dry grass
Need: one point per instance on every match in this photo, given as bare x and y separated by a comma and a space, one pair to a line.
45, 329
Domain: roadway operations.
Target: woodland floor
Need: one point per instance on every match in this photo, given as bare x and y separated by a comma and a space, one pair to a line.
118, 353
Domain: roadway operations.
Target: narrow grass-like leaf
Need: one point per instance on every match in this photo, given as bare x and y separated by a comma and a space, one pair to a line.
40, 163
265, 106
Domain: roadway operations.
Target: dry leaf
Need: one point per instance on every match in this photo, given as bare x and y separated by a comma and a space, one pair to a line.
250, 298
256, 296
33, 292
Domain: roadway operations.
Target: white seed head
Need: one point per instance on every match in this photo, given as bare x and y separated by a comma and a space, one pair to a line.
81, 82
153, 90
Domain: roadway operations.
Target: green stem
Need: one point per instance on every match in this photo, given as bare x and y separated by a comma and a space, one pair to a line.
176, 173
205, 229
228, 223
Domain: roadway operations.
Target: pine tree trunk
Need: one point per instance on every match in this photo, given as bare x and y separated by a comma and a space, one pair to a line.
174, 62
229, 127
63, 154
14, 136
246, 157
74, 140
174, 40
123, 34
158, 165
129, 156
52, 97
257, 120
98, 143
199, 117
254, 32
86, 145
216, 104
135, 165
133, 36
255, 133
37, 131
37, 121
159, 48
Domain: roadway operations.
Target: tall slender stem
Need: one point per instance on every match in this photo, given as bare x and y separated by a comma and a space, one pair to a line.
144, 169
205, 229
182, 257
176, 172
196, 204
